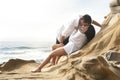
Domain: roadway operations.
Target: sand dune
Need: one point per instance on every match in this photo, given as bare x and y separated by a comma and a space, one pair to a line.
81, 65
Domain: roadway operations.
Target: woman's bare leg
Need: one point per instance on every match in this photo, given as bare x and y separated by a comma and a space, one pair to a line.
57, 52
55, 58
55, 46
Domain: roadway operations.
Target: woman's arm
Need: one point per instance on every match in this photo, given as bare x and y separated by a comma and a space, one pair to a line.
96, 23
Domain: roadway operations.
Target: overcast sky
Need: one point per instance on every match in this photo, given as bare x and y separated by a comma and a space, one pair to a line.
38, 20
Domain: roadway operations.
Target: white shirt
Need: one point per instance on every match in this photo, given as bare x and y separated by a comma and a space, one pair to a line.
76, 36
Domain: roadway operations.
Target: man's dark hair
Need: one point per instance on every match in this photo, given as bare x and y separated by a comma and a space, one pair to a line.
87, 19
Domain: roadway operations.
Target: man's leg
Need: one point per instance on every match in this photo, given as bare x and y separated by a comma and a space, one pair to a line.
57, 52
64, 42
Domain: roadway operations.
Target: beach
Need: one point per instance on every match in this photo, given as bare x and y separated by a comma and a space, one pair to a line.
92, 62
81, 65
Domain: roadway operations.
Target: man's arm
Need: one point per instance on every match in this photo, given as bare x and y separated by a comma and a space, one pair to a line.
68, 31
96, 23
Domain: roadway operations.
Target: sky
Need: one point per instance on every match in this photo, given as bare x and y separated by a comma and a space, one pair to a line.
38, 20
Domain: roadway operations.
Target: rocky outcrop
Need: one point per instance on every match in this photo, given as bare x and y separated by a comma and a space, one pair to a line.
115, 6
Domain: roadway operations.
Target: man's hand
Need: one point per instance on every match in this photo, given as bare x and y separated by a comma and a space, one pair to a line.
61, 44
104, 25
62, 38
76, 27
96, 23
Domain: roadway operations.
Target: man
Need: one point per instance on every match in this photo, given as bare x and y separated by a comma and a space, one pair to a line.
76, 30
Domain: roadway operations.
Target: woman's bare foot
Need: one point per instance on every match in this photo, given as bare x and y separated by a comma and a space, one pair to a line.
51, 64
35, 71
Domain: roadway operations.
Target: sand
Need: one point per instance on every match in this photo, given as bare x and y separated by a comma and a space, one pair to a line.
81, 65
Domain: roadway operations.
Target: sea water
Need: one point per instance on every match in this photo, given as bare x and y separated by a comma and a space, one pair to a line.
24, 50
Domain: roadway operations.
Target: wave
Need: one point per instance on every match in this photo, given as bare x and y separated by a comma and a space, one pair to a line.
13, 48
22, 51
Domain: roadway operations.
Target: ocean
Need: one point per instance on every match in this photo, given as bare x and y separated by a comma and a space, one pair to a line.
37, 51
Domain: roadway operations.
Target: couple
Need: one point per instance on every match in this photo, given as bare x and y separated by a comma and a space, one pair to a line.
80, 31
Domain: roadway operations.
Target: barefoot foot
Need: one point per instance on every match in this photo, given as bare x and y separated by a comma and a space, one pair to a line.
35, 71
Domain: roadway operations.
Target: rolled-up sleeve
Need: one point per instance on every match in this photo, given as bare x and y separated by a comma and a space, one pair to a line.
70, 28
